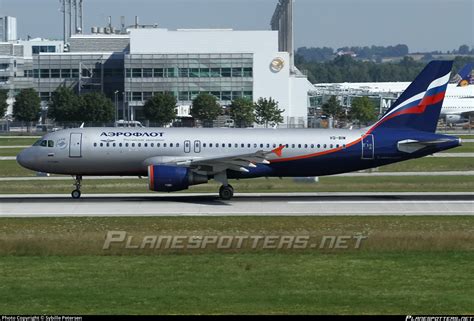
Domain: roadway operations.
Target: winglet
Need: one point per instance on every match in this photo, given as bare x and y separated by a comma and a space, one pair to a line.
278, 151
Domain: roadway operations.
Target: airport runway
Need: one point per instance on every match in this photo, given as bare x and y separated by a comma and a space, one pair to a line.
301, 204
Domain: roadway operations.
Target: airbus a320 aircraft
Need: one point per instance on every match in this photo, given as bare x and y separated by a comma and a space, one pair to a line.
176, 158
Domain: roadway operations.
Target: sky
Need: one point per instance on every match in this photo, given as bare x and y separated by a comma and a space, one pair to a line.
423, 25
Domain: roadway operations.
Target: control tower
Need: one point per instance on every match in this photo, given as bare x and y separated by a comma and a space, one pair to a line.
282, 21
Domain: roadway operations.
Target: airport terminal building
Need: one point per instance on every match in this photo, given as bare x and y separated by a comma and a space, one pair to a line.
225, 63
132, 64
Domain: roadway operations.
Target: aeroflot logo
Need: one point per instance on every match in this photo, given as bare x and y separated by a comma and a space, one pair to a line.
130, 134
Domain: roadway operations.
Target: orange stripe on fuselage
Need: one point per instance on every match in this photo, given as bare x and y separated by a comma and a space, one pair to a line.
316, 154
151, 178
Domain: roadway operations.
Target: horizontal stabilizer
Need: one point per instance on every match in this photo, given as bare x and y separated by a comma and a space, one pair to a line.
411, 145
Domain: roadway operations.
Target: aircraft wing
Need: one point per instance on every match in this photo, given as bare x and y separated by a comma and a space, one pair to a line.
237, 162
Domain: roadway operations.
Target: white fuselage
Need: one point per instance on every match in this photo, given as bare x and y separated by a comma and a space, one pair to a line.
458, 100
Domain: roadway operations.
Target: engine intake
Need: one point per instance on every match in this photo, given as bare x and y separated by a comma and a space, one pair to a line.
454, 119
164, 178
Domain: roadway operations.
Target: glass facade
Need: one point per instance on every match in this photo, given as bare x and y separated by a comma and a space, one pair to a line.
83, 72
140, 76
37, 49
226, 76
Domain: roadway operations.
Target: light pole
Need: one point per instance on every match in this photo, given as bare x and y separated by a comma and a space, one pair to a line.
123, 105
116, 106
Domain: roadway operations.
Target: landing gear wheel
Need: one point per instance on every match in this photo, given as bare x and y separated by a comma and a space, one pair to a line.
76, 194
77, 183
226, 192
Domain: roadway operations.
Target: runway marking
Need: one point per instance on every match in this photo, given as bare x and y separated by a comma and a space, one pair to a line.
411, 213
380, 202
276, 204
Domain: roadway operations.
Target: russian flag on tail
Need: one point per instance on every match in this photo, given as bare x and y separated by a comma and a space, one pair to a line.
419, 106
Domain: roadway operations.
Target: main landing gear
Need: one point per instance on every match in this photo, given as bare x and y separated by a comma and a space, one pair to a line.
77, 183
226, 192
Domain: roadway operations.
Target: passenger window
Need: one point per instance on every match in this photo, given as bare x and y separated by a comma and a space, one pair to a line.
287, 145
171, 145
158, 144
230, 145
120, 144
236, 145
164, 144
113, 144
242, 145
248, 145
299, 145
108, 144
210, 145
305, 145
133, 144
275, 145
101, 144
50, 143
44, 143
337, 146
254, 145
177, 144
95, 144
293, 145
331, 145
139, 144
152, 145
312, 145
261, 145
204, 145
325, 146
319, 145
145, 145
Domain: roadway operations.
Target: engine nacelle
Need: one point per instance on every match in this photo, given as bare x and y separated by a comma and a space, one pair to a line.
454, 119
164, 178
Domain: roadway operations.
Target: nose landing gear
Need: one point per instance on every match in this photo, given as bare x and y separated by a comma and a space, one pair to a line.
77, 183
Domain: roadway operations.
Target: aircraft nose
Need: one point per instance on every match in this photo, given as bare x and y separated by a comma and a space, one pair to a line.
24, 159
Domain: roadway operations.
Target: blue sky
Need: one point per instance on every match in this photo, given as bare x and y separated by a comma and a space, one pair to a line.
421, 24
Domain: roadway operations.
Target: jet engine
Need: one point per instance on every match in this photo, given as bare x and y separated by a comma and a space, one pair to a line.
454, 119
165, 178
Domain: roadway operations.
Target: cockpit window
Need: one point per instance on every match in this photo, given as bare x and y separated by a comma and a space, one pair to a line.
44, 143
37, 143
50, 143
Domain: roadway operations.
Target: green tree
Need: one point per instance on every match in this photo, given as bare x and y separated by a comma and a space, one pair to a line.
96, 107
64, 106
332, 108
3, 102
242, 112
362, 110
161, 108
267, 112
464, 50
205, 108
27, 106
